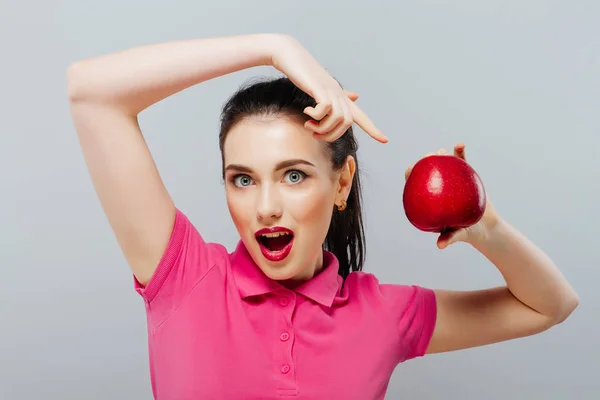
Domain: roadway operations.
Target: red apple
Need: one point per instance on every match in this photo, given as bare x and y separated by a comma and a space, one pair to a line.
443, 193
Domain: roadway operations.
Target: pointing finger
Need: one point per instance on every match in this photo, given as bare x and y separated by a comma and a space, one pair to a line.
366, 124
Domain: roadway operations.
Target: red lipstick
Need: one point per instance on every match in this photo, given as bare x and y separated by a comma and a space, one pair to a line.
275, 243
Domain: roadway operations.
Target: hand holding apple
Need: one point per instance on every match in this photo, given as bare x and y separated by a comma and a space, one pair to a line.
444, 194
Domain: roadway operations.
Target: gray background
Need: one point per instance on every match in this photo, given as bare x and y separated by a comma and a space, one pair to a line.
518, 81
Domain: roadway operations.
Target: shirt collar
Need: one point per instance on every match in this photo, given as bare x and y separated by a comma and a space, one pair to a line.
251, 281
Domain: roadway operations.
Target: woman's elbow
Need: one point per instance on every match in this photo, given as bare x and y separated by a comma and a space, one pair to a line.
569, 305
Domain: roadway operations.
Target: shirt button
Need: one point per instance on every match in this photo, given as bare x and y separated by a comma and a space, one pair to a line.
284, 336
283, 301
285, 369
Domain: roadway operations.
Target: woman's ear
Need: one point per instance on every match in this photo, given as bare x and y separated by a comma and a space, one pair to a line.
345, 179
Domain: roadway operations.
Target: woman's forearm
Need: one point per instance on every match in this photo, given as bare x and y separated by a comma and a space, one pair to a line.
530, 274
136, 78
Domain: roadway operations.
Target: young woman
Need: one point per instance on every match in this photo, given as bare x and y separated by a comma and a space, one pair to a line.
289, 313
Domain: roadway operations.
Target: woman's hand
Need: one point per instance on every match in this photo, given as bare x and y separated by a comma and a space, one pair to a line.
474, 233
335, 110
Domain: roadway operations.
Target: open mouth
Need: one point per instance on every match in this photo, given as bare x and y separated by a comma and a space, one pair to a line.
275, 243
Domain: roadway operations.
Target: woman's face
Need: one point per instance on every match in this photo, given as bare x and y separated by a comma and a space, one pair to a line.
281, 190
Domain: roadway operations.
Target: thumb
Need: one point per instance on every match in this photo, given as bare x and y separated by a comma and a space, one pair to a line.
353, 96
448, 238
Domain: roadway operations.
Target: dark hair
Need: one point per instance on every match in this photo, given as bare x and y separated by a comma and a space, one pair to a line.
279, 96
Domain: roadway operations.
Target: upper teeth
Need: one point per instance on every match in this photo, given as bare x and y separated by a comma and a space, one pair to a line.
274, 234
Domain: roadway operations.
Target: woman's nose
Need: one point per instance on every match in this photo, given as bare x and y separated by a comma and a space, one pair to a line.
269, 204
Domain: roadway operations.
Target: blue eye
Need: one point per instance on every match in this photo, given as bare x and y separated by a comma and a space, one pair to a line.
295, 176
242, 180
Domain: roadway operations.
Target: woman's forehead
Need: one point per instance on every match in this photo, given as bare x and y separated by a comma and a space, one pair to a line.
270, 141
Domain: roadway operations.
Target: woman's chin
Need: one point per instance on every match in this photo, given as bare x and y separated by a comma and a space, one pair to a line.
280, 271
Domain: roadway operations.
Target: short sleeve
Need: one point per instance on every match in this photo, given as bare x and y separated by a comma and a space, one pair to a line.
185, 261
414, 310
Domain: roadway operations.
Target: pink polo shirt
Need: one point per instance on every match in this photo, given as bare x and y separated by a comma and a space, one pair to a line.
218, 328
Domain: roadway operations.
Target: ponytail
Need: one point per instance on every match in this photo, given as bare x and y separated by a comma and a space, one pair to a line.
346, 236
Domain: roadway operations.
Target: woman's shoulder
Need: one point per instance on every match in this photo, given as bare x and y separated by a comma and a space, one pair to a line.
368, 284
370, 279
